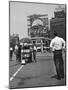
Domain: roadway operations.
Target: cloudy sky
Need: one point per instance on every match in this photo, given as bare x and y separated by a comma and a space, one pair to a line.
19, 12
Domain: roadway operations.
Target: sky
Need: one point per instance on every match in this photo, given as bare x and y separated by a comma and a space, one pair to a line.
19, 12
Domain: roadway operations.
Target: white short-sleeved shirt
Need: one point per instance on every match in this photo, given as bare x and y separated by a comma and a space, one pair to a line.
16, 47
35, 48
11, 49
57, 43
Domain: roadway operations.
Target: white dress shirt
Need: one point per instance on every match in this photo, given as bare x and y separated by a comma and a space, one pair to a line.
57, 43
16, 47
11, 49
35, 48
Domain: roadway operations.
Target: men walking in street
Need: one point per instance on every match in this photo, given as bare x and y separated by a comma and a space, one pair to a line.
16, 51
58, 44
11, 50
34, 52
19, 53
30, 54
11, 53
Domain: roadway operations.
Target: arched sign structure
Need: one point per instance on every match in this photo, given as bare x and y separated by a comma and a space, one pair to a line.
35, 23
39, 20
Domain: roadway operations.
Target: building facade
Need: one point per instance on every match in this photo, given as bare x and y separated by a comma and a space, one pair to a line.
58, 23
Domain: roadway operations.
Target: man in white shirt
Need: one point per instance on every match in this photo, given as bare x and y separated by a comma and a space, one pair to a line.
57, 45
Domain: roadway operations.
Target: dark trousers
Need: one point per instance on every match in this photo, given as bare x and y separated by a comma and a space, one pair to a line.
18, 57
58, 61
30, 57
34, 55
11, 53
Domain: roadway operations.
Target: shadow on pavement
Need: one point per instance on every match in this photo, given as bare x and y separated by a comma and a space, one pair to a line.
22, 80
54, 76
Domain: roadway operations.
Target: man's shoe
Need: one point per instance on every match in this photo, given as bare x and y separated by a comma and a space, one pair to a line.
62, 77
59, 78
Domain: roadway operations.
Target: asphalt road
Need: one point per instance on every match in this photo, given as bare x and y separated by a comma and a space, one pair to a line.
33, 74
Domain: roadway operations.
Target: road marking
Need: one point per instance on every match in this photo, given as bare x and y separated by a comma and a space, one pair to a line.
16, 73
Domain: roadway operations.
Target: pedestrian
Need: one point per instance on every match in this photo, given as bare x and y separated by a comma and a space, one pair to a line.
11, 53
30, 54
11, 50
34, 52
16, 51
19, 53
58, 44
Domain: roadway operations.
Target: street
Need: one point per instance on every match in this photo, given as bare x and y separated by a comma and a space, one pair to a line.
33, 74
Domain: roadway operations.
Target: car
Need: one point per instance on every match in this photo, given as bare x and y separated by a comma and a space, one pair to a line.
26, 53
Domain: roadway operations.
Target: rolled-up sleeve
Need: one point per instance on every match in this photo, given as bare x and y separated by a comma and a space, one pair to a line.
52, 45
63, 43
